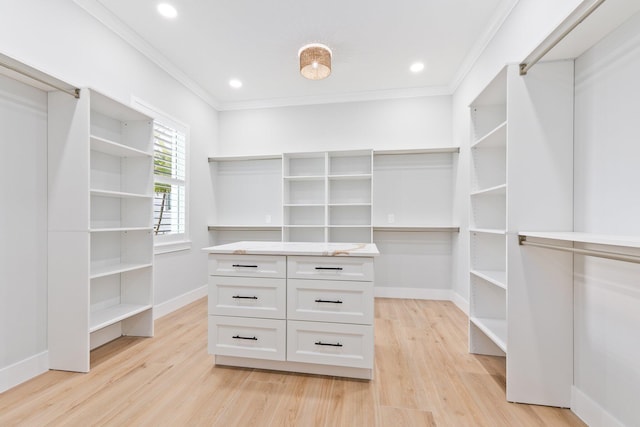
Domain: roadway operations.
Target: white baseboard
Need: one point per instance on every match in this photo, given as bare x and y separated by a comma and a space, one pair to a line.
460, 302
418, 293
23, 370
590, 411
180, 301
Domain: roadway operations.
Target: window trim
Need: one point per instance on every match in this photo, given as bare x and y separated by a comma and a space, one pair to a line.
172, 242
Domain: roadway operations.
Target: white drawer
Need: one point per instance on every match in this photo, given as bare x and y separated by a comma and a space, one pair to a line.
247, 337
247, 265
247, 296
330, 301
332, 268
330, 344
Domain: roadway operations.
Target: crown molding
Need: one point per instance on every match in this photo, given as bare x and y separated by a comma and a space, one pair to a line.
500, 15
375, 95
109, 20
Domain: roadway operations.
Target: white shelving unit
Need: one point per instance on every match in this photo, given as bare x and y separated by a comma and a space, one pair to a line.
521, 176
488, 222
327, 196
247, 198
100, 226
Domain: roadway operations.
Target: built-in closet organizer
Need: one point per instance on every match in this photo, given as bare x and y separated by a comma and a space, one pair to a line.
100, 222
400, 199
302, 307
522, 178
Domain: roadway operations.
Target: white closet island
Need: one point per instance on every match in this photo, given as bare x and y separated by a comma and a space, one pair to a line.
293, 306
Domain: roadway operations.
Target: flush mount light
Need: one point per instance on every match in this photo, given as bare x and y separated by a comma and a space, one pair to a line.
167, 10
315, 61
416, 67
235, 83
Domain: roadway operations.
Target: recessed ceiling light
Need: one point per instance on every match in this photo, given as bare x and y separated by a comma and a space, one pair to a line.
416, 67
167, 10
235, 83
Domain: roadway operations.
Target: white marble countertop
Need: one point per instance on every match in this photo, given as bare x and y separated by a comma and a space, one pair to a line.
296, 248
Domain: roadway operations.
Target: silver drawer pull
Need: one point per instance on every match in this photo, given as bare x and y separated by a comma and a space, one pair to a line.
241, 297
244, 266
328, 268
238, 337
329, 344
329, 301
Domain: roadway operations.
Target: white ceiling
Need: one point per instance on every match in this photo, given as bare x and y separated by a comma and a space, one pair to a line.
373, 41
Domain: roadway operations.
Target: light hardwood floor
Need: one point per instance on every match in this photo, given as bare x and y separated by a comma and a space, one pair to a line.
424, 376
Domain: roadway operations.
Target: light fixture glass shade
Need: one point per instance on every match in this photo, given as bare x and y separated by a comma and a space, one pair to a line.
315, 61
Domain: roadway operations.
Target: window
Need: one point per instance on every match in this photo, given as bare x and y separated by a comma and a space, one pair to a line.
170, 160
169, 167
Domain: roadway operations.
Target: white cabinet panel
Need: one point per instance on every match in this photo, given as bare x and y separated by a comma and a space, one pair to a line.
330, 344
247, 265
330, 301
247, 296
247, 337
330, 267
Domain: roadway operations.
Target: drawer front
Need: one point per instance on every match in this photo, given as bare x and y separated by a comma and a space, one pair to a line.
330, 344
247, 337
247, 296
330, 268
330, 301
247, 265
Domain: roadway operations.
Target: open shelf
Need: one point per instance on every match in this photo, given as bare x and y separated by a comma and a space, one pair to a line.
119, 194
112, 148
350, 177
497, 190
435, 150
417, 228
244, 227
299, 205
488, 231
108, 270
112, 229
244, 158
496, 138
304, 178
494, 329
348, 204
108, 316
496, 277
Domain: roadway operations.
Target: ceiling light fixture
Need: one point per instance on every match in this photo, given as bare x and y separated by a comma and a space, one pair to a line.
167, 10
235, 83
416, 67
315, 61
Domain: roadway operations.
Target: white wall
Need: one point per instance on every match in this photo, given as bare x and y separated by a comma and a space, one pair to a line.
60, 38
23, 223
607, 200
397, 123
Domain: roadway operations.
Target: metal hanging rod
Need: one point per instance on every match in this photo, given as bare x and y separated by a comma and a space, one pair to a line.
590, 252
37, 76
571, 22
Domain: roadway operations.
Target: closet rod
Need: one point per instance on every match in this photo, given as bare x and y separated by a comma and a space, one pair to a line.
571, 22
590, 252
38, 76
